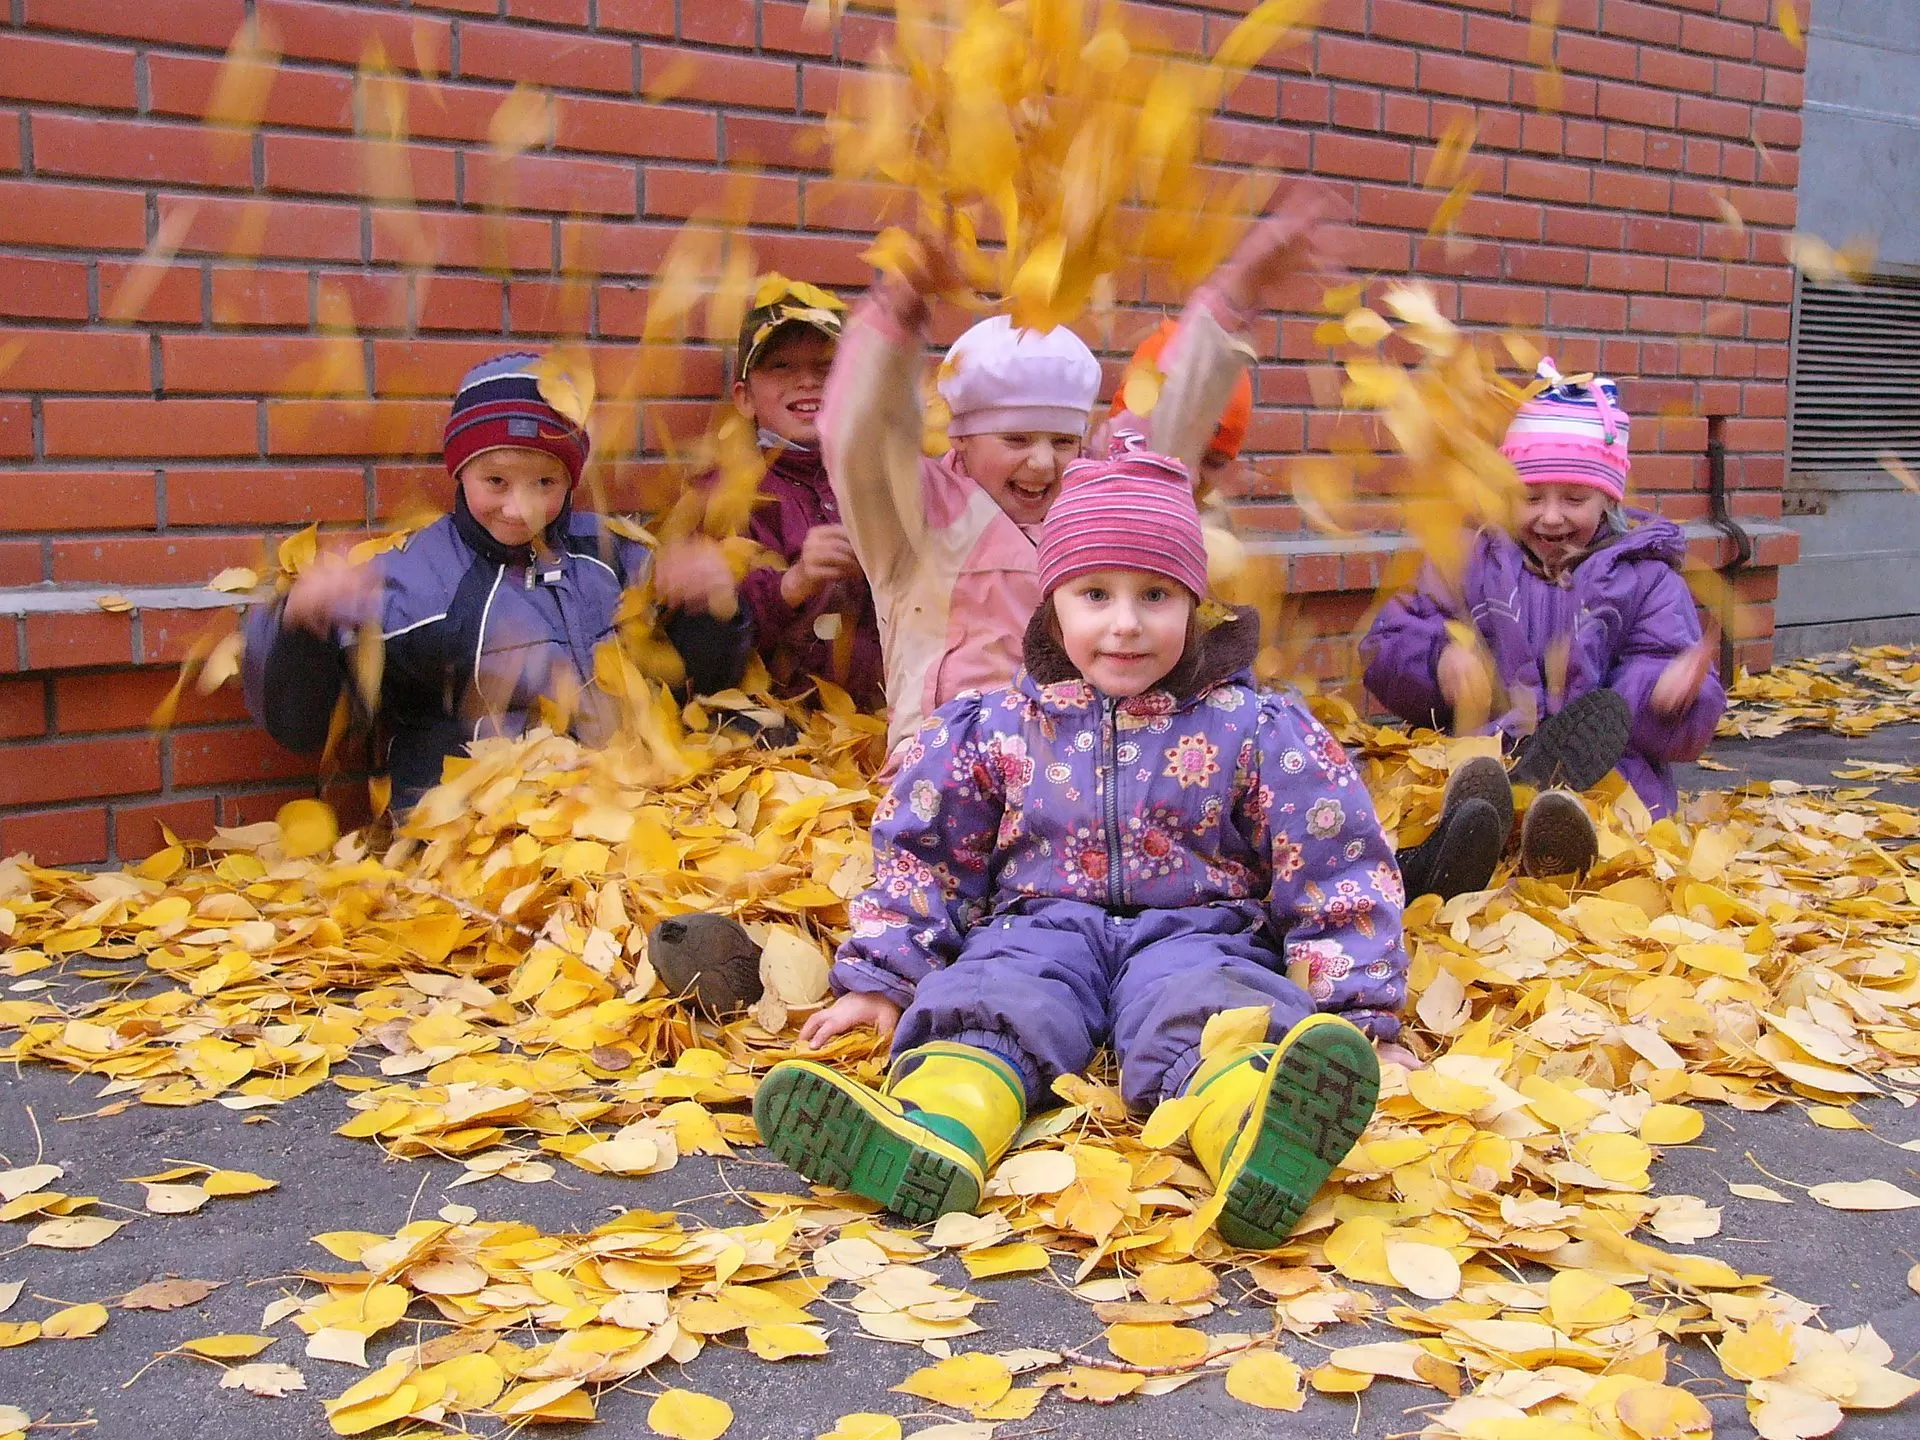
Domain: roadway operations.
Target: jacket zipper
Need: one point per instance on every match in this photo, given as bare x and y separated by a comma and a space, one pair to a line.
1116, 887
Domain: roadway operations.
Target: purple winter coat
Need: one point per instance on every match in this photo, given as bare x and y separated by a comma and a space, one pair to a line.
794, 498
1626, 608
1205, 795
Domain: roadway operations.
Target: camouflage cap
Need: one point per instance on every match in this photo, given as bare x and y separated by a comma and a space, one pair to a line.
777, 303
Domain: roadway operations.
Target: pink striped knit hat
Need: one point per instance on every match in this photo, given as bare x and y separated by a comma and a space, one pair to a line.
1571, 433
1130, 511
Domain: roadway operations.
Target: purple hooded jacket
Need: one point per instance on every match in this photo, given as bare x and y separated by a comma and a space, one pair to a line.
1625, 608
1203, 792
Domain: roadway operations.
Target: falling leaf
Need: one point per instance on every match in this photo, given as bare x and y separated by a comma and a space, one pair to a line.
1788, 19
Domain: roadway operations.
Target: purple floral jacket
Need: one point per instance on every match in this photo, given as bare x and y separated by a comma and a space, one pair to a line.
1203, 791
1620, 614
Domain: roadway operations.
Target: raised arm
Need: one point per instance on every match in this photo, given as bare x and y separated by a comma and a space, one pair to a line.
1665, 627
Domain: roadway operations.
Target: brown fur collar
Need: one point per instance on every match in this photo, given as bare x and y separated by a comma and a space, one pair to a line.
1217, 654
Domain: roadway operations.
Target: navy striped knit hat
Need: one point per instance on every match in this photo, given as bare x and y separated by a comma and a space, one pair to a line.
1572, 433
499, 406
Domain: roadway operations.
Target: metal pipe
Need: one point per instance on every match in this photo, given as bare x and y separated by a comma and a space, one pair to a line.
1722, 517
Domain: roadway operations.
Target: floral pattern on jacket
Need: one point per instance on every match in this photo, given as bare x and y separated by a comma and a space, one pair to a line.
1231, 796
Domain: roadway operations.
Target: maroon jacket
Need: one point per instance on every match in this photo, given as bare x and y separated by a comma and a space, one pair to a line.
795, 497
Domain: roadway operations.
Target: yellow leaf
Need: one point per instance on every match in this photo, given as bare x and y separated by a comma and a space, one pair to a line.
965, 1382
235, 580
1231, 1029
1426, 1270
1662, 1412
1170, 1121
1580, 1300
783, 1342
1864, 1195
1181, 1284
1788, 19
689, 1415
227, 1347
1156, 1346
74, 1323
307, 828
1671, 1125
23, 1332
1833, 1117
1267, 1379
73, 1232
1012, 1259
1759, 1352
567, 382
1102, 1387
863, 1425
225, 1183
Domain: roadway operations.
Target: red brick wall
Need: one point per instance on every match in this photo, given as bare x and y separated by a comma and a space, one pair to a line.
156, 447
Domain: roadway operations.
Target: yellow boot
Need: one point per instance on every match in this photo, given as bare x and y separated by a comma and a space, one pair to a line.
921, 1147
1277, 1119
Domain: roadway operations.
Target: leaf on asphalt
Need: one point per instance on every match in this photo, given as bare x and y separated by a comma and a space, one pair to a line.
1864, 1195
170, 1294
266, 1379
227, 1347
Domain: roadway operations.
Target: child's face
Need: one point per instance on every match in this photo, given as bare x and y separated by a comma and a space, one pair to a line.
1557, 522
514, 494
1020, 471
1124, 630
781, 393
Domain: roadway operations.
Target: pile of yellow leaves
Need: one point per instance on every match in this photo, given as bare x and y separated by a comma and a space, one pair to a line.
1052, 127
494, 960
1848, 694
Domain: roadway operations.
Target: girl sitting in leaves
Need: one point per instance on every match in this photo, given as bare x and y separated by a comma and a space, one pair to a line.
948, 543
1129, 839
1574, 634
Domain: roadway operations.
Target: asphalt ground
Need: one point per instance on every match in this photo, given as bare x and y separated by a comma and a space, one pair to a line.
110, 1385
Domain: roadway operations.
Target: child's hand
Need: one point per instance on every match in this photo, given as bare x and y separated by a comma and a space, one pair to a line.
693, 575
923, 267
1680, 682
826, 555
1462, 676
330, 593
1295, 236
850, 1012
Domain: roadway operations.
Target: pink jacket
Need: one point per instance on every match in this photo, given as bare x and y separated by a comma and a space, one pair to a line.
954, 578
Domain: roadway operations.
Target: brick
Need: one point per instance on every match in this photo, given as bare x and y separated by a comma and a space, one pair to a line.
1665, 152
292, 230
254, 365
252, 497
550, 12
1667, 237
16, 430
1665, 314
798, 144
331, 165
77, 500
1646, 273
79, 360
1635, 105
1430, 27
304, 98
1586, 311
563, 62
65, 642
1367, 61
1597, 55
74, 835
120, 149
555, 182
644, 17
43, 289
98, 701
1587, 228
137, 828
1675, 70
472, 242
150, 559
1546, 265
349, 300
1502, 305
251, 296
350, 427
628, 127
1306, 102
140, 428
1632, 20
1547, 180
73, 769
167, 635
1715, 117
1703, 35
680, 193
720, 22
23, 708
785, 27
1618, 190
70, 217
743, 80
231, 757
1361, 157
1498, 38
1626, 146
326, 30
150, 293
66, 72
458, 302
208, 24
1464, 76
1355, 109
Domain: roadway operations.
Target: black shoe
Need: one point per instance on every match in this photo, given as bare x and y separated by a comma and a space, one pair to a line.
707, 958
1481, 778
1577, 747
1461, 855
1557, 838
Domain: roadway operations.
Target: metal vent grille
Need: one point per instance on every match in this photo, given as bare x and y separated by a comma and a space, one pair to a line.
1856, 375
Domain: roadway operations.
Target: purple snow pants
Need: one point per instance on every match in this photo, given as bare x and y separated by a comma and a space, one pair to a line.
1047, 987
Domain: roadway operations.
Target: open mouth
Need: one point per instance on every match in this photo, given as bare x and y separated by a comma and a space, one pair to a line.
806, 408
1027, 490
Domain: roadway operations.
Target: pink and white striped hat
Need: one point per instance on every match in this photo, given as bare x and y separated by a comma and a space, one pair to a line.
1571, 433
1129, 511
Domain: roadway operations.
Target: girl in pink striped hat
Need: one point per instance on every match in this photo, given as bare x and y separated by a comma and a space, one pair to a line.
1128, 840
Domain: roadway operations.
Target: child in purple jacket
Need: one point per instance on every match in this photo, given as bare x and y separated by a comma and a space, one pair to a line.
815, 617
1129, 839
1595, 648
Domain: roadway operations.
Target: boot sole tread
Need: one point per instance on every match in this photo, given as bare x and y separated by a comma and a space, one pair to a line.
1569, 747
1319, 1099
819, 1127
